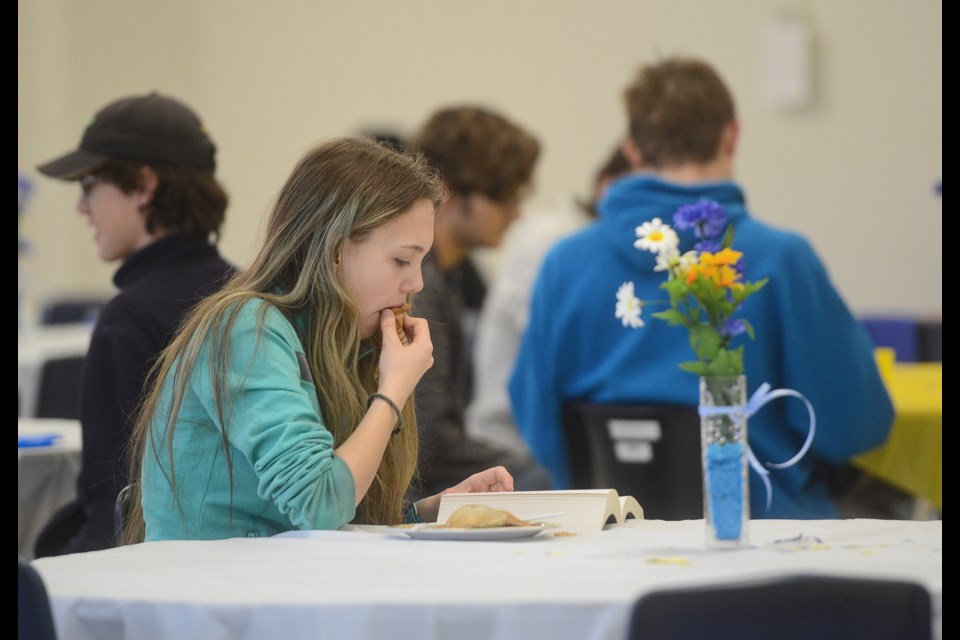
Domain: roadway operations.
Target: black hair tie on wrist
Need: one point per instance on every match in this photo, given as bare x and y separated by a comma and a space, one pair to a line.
393, 405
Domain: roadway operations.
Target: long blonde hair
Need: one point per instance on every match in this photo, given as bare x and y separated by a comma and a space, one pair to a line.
340, 190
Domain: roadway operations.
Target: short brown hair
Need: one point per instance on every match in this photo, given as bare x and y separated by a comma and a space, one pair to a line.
187, 200
678, 109
477, 150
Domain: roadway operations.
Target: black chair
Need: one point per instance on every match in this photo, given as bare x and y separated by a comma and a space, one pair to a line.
58, 395
120, 509
930, 340
799, 607
34, 616
651, 452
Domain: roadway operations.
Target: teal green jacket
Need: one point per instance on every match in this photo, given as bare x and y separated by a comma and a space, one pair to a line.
286, 475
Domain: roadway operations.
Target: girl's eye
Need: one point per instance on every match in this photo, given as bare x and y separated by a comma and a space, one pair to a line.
402, 263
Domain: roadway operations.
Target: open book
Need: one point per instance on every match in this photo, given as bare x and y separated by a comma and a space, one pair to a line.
581, 510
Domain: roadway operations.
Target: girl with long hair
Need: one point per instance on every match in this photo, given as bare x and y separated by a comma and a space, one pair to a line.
286, 400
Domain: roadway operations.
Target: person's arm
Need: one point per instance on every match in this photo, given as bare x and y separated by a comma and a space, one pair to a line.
114, 369
273, 420
534, 393
493, 479
828, 357
401, 366
276, 423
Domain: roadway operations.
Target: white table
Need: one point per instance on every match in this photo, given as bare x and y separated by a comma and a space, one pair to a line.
365, 583
36, 345
46, 476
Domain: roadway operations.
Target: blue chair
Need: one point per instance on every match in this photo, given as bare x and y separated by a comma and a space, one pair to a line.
34, 617
797, 607
901, 334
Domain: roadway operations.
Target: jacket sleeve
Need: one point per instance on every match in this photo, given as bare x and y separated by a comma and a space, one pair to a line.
828, 357
274, 420
115, 367
534, 386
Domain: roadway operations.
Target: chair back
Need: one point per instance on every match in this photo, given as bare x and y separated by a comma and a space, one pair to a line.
58, 395
120, 509
651, 452
797, 607
901, 334
34, 616
72, 310
930, 339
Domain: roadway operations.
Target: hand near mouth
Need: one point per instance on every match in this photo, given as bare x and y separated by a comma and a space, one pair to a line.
402, 365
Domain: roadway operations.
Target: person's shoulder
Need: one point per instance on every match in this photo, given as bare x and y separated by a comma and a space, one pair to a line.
253, 318
531, 237
772, 241
575, 244
256, 310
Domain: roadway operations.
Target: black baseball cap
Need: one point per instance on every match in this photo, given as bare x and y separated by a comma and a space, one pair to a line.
152, 129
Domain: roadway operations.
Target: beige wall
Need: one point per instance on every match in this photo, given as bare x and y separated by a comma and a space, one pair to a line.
853, 171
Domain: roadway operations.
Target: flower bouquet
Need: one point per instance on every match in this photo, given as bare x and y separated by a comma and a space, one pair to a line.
706, 289
705, 286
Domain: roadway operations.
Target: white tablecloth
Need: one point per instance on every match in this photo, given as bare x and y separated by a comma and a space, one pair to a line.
369, 584
46, 476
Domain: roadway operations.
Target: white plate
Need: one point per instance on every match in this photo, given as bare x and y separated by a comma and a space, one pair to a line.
434, 532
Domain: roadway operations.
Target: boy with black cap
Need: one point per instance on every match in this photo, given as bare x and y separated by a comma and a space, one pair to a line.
146, 167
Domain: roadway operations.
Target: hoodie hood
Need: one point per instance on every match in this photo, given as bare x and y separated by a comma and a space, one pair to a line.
638, 198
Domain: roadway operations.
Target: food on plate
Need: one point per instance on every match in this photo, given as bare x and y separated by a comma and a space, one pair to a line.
478, 516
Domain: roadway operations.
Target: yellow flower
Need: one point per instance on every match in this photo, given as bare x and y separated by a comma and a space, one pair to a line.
717, 268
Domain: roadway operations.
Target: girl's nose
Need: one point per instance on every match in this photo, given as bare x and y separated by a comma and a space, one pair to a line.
415, 283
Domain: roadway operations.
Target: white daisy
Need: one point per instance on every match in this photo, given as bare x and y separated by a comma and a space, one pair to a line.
656, 237
629, 306
667, 259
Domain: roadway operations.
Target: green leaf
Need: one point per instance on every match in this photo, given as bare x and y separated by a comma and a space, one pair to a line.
672, 316
727, 237
705, 342
694, 366
728, 362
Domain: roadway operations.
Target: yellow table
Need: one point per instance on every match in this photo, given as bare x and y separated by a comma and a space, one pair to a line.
912, 457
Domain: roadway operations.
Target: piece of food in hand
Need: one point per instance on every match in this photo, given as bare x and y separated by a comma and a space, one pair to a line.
478, 516
398, 313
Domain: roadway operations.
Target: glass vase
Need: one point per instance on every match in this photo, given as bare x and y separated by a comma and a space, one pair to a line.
723, 442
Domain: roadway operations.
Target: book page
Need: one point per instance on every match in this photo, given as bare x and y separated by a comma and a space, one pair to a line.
630, 508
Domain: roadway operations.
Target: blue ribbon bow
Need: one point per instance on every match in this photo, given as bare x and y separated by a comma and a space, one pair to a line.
760, 397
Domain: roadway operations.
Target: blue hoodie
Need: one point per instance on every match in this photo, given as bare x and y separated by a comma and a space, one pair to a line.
806, 339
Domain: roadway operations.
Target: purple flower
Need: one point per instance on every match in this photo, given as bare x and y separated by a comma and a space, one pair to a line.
733, 327
706, 217
708, 246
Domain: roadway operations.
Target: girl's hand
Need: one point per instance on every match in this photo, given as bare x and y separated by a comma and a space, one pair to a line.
402, 366
493, 479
